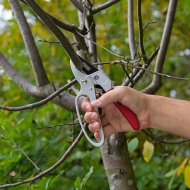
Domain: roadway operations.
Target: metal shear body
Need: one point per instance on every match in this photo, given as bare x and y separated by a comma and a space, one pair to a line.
93, 81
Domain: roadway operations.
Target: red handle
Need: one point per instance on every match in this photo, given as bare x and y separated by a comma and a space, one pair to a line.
128, 114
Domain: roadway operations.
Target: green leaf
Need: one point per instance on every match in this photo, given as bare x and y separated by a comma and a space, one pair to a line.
132, 144
55, 179
42, 184
77, 183
171, 182
171, 173
21, 120
47, 183
13, 116
87, 176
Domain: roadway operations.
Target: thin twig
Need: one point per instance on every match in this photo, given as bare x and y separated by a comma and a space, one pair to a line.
58, 125
104, 6
62, 159
127, 74
28, 106
50, 43
152, 22
6, 138
125, 63
100, 45
178, 141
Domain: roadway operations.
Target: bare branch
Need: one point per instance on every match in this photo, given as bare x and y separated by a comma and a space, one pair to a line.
140, 72
145, 26
65, 100
125, 63
101, 46
177, 141
29, 106
130, 81
68, 27
61, 24
141, 31
58, 125
57, 32
157, 80
131, 29
36, 62
92, 35
20, 81
6, 138
104, 6
67, 153
77, 4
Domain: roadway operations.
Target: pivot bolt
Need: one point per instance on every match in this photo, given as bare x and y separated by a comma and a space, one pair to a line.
96, 77
84, 81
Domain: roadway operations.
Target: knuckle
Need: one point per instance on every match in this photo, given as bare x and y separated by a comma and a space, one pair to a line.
87, 117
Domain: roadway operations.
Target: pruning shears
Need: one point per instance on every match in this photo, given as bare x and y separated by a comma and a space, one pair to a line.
93, 82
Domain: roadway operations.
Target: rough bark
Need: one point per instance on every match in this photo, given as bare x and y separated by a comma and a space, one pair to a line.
117, 163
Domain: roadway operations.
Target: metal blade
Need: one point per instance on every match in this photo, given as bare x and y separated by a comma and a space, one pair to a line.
87, 67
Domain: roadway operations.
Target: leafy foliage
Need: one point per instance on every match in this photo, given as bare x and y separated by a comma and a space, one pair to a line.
44, 133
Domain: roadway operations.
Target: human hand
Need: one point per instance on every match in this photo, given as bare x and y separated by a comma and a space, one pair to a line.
111, 118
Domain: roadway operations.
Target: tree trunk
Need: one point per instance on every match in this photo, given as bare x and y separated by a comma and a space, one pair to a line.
117, 163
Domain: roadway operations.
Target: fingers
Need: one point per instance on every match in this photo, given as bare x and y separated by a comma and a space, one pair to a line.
112, 96
91, 117
108, 130
86, 105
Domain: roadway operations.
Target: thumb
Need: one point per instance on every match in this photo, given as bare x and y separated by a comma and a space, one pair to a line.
114, 95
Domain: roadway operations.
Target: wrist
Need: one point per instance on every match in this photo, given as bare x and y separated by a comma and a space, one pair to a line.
152, 105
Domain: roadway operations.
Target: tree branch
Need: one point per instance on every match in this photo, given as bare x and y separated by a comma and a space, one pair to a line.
65, 26
141, 31
77, 4
57, 32
29, 106
141, 71
131, 29
178, 141
125, 63
35, 59
65, 99
104, 6
20, 81
92, 35
117, 163
157, 80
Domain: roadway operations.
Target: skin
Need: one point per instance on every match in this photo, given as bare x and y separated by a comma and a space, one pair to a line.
162, 113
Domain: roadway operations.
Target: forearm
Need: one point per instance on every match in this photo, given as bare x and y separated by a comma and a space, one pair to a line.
171, 115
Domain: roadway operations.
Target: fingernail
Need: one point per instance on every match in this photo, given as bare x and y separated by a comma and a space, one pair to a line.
94, 116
